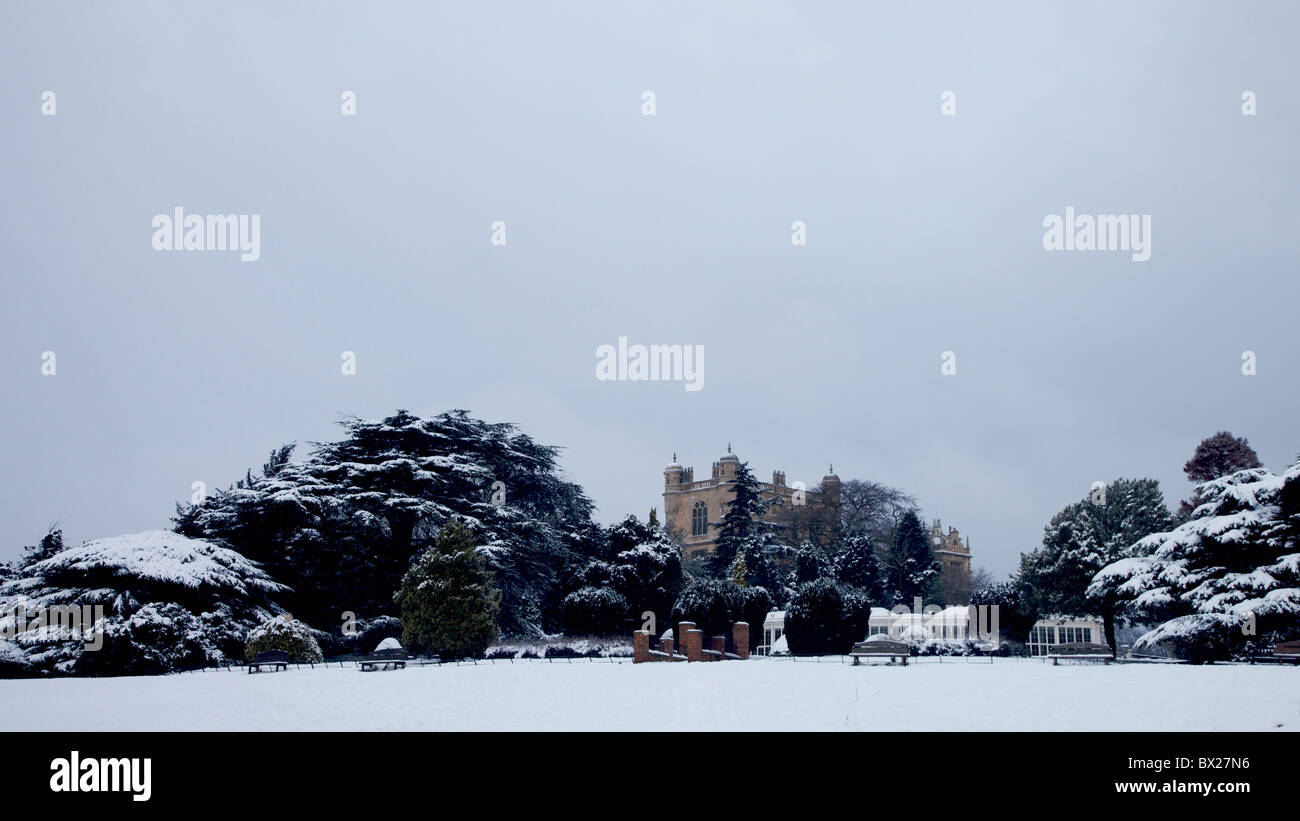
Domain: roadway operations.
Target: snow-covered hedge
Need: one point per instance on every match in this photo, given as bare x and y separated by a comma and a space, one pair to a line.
562, 647
947, 647
289, 635
595, 611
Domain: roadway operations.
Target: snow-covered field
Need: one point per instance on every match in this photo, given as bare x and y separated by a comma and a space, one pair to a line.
760, 694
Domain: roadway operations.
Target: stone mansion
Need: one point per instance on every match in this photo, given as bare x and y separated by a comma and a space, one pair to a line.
691, 507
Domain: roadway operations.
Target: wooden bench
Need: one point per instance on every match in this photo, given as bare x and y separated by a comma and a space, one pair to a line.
1079, 651
394, 656
880, 649
1288, 652
275, 659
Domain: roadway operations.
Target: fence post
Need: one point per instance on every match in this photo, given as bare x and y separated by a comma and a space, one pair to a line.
694, 644
640, 646
740, 638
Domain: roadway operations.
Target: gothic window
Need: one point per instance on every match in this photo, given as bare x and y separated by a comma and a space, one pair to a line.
699, 519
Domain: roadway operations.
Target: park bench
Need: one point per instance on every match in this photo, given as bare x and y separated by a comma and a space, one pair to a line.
394, 656
1079, 651
880, 649
275, 659
1288, 652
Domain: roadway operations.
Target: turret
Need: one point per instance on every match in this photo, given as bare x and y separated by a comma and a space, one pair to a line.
831, 485
673, 473
726, 466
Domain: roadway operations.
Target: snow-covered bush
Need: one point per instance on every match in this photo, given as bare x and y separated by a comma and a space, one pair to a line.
825, 618
147, 603
562, 651
947, 647
707, 603
289, 635
1228, 576
750, 605
914, 636
856, 618
595, 611
814, 620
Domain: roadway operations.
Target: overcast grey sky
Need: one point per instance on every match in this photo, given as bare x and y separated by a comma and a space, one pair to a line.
924, 235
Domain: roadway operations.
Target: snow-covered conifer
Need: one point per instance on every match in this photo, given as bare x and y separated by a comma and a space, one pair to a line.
1227, 577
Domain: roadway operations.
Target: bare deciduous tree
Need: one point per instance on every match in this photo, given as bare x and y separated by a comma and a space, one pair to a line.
873, 509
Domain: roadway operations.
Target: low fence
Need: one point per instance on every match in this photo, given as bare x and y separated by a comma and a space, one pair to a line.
787, 659
345, 663
910, 659
239, 666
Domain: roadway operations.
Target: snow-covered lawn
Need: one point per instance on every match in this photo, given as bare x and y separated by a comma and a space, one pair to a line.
760, 694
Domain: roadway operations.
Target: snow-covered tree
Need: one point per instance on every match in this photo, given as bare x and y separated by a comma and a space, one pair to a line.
1217, 455
811, 563
715, 606
449, 604
911, 568
763, 555
1220, 455
167, 602
342, 526
1082, 539
857, 565
649, 575
1015, 617
708, 603
641, 566
1225, 577
742, 523
50, 544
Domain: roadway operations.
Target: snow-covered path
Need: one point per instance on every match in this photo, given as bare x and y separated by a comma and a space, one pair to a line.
760, 694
